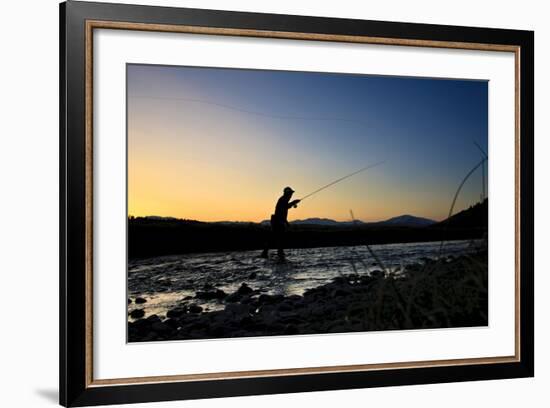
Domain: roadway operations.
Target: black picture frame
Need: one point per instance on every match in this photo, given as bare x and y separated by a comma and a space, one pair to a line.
75, 387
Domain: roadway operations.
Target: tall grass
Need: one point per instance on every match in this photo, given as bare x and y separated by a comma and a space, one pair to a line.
443, 292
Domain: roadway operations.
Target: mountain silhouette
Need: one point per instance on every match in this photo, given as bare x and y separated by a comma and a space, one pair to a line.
400, 221
325, 222
408, 221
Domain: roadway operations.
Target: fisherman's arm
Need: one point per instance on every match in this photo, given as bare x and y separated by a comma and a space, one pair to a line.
293, 204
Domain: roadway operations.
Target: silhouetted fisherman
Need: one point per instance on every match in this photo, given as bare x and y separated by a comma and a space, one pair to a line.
279, 223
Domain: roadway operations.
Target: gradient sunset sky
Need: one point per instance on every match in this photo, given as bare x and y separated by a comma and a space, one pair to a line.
215, 144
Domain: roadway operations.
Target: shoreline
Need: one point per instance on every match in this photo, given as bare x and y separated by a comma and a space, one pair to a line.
335, 245
157, 237
451, 292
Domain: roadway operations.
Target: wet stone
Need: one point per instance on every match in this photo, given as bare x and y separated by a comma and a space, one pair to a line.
137, 313
173, 323
160, 327
140, 326
245, 289
270, 299
177, 312
153, 319
234, 297
195, 309
211, 295
246, 300
237, 309
285, 307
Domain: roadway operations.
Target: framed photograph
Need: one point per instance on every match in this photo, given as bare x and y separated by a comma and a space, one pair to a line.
256, 204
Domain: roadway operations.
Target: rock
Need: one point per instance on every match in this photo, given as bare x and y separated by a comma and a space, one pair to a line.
177, 312
198, 325
317, 311
218, 331
160, 327
234, 297
246, 300
217, 294
237, 309
284, 307
140, 300
341, 292
317, 292
357, 310
247, 322
366, 279
137, 313
140, 325
268, 315
269, 299
245, 290
263, 299
195, 309
188, 319
288, 318
253, 275
187, 298
220, 294
153, 319
173, 323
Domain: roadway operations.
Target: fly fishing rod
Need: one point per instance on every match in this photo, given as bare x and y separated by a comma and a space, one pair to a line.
370, 166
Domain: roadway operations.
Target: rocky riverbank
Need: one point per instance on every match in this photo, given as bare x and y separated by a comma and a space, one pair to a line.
451, 292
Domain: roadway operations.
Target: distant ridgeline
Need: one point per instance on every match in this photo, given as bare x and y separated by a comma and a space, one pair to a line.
152, 236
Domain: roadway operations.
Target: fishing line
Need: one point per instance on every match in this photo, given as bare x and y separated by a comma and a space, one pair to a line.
251, 112
342, 179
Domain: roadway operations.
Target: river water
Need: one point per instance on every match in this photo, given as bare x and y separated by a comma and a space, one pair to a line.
166, 281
